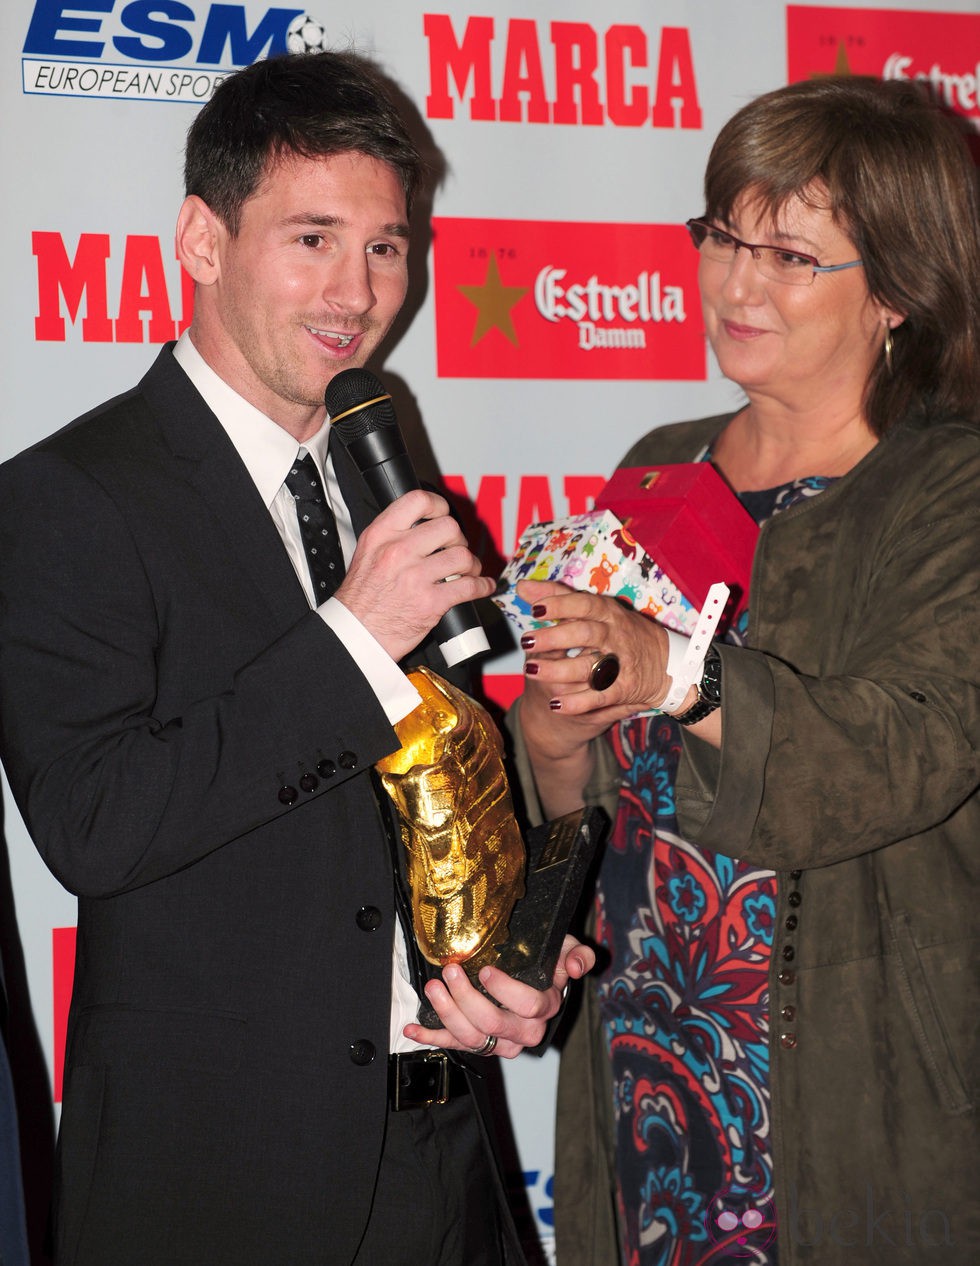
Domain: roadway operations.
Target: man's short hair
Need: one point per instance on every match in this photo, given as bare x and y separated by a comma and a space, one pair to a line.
312, 105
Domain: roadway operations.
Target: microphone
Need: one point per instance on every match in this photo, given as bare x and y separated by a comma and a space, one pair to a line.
363, 419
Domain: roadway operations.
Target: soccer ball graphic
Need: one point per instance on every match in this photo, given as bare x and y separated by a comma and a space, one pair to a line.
306, 35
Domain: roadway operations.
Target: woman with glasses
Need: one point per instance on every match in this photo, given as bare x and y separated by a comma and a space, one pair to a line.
778, 1062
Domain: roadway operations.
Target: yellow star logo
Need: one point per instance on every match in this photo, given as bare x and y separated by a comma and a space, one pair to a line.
493, 302
842, 65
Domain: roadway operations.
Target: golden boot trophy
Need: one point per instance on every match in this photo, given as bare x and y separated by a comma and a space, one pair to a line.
465, 854
466, 861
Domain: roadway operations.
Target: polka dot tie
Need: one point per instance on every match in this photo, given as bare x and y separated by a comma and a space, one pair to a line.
317, 527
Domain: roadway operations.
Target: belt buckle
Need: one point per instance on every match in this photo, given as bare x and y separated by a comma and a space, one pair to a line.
403, 1098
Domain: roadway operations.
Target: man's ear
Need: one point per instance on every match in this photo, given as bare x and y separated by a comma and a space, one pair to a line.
197, 240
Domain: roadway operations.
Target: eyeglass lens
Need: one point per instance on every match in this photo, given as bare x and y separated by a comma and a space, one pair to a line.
772, 262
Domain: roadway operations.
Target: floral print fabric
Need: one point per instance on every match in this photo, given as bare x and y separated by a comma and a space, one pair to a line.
684, 998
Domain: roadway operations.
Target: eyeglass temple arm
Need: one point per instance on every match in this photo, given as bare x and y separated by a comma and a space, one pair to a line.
836, 268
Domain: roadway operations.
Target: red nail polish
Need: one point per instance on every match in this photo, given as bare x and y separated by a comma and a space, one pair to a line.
527, 642
532, 668
555, 705
538, 610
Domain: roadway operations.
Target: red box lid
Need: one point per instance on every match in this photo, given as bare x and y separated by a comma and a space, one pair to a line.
690, 522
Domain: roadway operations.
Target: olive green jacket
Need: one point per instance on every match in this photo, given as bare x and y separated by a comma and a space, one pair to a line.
850, 766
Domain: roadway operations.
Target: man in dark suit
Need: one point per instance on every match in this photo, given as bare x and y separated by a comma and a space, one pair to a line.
190, 734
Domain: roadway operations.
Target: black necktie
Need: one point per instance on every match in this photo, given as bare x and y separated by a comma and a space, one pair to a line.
317, 527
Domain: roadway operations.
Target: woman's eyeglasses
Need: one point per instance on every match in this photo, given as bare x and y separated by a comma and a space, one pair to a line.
774, 262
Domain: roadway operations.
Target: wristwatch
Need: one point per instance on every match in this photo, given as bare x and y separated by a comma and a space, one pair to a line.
709, 691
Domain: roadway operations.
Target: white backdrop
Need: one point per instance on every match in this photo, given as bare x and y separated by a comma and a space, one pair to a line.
554, 312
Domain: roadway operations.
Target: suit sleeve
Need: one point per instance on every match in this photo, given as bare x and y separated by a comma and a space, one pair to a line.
137, 733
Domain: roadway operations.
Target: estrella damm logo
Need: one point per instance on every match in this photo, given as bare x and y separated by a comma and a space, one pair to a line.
939, 50
154, 50
543, 299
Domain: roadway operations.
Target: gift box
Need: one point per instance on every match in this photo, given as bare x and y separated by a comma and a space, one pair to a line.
688, 518
592, 552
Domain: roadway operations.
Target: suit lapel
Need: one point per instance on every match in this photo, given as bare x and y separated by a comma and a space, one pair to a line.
208, 461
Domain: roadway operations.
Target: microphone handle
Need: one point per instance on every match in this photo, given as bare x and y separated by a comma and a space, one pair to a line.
459, 633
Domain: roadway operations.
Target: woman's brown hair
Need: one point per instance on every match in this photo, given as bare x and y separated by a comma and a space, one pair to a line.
896, 174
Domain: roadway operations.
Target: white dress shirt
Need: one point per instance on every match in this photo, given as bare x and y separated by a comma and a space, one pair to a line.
269, 453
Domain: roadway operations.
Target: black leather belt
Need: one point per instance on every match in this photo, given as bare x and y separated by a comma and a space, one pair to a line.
421, 1079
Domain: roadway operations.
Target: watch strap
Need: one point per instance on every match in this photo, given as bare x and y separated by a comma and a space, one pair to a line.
689, 669
709, 692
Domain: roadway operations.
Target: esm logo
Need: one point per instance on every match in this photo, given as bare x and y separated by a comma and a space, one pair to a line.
149, 31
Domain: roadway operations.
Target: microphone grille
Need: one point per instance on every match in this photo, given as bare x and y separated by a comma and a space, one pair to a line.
351, 388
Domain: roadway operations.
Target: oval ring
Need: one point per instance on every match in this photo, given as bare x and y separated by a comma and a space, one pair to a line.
486, 1049
604, 671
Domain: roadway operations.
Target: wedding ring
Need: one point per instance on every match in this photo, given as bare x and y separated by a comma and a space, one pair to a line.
604, 671
487, 1048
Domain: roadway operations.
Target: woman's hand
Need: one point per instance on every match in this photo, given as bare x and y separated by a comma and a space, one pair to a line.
590, 626
560, 712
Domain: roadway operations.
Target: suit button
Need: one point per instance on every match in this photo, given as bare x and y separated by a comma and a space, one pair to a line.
786, 977
362, 1052
795, 898
789, 953
787, 1041
347, 760
326, 768
795, 874
791, 922
788, 1013
309, 782
368, 918
288, 795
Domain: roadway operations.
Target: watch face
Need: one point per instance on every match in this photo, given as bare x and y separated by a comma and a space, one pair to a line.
710, 687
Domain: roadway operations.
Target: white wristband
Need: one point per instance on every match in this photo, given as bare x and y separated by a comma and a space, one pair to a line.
685, 656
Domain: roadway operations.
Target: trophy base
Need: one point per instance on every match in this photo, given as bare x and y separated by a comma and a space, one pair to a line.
559, 854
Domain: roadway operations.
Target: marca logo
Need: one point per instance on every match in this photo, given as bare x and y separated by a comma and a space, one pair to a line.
561, 72
534, 299
153, 303
156, 50
529, 499
937, 49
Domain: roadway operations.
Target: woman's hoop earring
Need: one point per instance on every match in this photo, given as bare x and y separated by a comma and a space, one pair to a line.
888, 348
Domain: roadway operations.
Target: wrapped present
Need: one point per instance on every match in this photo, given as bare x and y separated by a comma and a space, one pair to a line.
689, 519
592, 552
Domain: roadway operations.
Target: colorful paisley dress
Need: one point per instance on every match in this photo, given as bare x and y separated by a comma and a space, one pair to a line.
684, 999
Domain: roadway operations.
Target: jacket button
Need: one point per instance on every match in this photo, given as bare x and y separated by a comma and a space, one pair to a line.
789, 953
309, 782
787, 1040
795, 875
326, 768
288, 795
917, 695
362, 1052
795, 898
368, 918
788, 1013
348, 760
786, 977
791, 922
